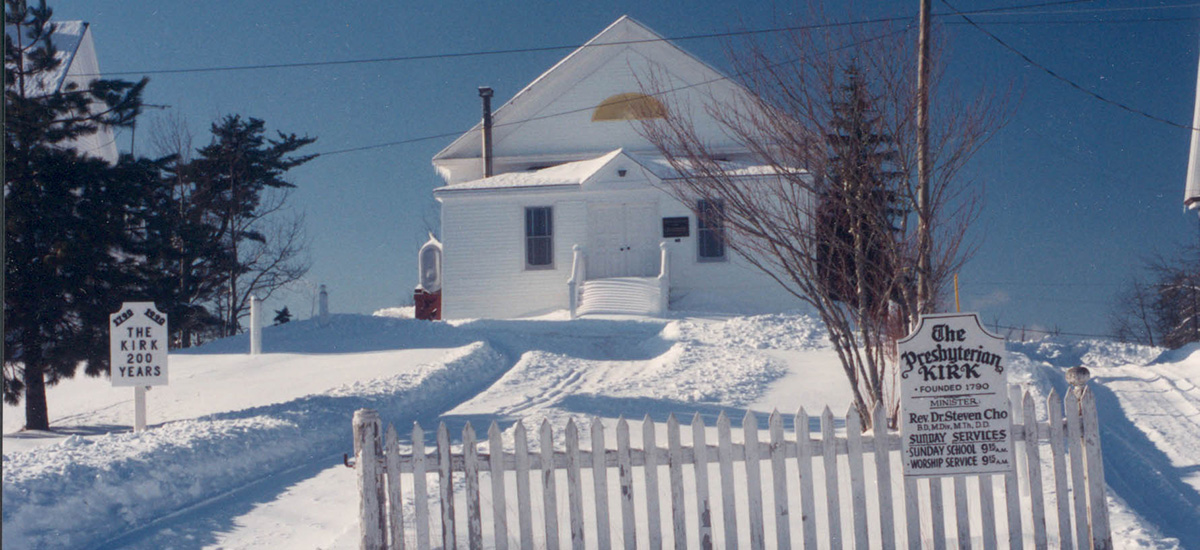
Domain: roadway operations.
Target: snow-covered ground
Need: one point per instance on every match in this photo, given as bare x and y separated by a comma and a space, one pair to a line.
246, 452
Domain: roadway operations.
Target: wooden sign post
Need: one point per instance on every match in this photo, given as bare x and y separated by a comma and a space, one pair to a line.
137, 338
954, 410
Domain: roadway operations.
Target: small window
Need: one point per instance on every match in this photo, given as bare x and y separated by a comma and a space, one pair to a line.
630, 106
539, 237
710, 229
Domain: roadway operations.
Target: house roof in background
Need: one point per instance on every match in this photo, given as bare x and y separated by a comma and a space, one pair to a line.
66, 38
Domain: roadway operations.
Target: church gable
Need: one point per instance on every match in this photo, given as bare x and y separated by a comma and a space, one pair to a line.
590, 102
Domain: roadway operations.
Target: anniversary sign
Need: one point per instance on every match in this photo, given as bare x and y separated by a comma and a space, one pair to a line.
954, 412
138, 345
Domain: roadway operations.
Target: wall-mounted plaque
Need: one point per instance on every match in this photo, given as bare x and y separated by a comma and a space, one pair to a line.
675, 227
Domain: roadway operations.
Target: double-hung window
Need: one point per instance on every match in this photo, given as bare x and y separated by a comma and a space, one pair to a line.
710, 230
539, 237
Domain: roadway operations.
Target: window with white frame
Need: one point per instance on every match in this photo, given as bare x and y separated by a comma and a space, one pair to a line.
539, 237
710, 230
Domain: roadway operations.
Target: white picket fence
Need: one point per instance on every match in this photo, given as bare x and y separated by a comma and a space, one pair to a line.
752, 504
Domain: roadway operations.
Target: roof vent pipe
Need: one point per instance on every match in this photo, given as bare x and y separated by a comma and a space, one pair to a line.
486, 94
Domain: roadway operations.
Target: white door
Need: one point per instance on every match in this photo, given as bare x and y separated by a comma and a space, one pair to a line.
624, 240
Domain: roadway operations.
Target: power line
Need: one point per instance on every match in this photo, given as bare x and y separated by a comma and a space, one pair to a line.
962, 14
583, 109
1064, 79
535, 49
479, 53
1100, 10
1026, 23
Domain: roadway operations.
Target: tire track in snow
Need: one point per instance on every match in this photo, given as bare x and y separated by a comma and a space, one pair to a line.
463, 376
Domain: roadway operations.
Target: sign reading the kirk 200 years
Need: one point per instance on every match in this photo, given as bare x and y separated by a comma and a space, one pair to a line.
954, 411
137, 339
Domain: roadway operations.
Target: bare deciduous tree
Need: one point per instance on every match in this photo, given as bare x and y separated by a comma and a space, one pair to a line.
1133, 316
793, 122
1164, 311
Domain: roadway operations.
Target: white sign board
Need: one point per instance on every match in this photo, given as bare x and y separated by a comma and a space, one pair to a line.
954, 411
137, 337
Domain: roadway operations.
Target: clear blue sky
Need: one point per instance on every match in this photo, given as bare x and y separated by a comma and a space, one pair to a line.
1077, 191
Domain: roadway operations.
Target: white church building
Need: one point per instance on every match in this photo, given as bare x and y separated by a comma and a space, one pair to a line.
77, 68
559, 202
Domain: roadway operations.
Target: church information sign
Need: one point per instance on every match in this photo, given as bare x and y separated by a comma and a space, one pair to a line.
954, 409
138, 345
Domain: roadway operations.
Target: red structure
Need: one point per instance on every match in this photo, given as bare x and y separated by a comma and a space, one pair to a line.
428, 304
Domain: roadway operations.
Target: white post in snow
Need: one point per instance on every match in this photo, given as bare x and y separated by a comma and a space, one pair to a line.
255, 325
576, 279
139, 408
664, 281
323, 308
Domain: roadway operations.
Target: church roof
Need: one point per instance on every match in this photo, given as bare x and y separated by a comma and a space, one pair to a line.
556, 114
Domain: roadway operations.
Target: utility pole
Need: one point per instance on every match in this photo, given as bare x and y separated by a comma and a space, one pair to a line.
924, 239
133, 125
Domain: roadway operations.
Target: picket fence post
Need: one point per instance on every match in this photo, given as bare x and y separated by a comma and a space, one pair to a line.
366, 456
1097, 530
496, 464
1078, 490
395, 492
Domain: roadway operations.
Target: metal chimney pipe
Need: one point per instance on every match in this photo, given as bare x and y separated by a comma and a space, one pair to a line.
486, 94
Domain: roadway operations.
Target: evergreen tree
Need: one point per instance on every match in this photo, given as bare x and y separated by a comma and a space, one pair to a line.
67, 245
185, 255
282, 316
857, 210
240, 188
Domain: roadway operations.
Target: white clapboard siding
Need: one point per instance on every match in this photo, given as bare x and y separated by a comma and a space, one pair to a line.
394, 486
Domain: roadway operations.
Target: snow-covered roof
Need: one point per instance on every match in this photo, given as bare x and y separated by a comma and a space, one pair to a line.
67, 37
578, 173
567, 174
663, 169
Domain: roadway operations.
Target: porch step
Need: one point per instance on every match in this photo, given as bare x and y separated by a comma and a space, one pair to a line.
620, 295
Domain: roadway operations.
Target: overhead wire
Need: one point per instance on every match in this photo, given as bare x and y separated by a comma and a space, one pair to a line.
998, 11
535, 49
589, 108
955, 12
1062, 78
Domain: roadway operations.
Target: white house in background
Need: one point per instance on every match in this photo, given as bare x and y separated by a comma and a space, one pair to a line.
573, 215
78, 68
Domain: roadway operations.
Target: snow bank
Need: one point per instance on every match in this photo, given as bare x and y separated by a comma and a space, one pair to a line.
81, 492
